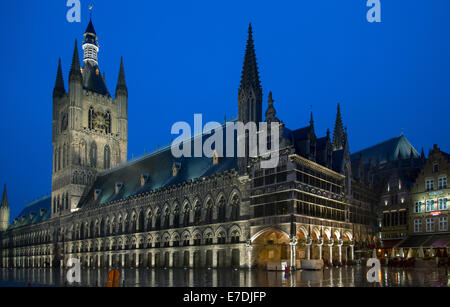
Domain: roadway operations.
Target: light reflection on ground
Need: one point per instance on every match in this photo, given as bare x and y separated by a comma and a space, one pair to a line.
352, 276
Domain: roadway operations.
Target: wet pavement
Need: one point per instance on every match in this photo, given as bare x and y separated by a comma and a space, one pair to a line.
351, 276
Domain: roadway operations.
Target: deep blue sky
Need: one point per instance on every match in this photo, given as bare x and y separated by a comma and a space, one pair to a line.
185, 57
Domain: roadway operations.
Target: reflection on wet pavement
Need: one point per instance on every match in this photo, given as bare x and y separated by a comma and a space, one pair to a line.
352, 276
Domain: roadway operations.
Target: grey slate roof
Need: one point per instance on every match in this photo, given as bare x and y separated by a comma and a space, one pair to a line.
392, 148
32, 213
158, 167
92, 81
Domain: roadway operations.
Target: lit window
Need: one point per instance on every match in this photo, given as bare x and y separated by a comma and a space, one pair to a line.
429, 205
442, 203
430, 184
430, 225
442, 183
443, 223
418, 207
417, 225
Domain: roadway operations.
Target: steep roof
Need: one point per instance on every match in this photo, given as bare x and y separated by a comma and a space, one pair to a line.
93, 80
158, 167
32, 213
392, 148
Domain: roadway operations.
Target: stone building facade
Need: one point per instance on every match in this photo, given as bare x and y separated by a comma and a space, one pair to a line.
161, 211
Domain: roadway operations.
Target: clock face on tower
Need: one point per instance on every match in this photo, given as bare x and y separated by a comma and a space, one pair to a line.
101, 122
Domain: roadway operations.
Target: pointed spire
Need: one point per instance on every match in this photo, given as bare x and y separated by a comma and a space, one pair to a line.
4, 203
59, 89
311, 121
75, 70
422, 155
121, 82
338, 137
271, 112
250, 74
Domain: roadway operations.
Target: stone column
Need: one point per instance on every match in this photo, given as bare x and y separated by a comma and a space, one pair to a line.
249, 249
293, 243
331, 251
214, 258
352, 251
320, 245
170, 259
191, 258
137, 259
308, 249
340, 243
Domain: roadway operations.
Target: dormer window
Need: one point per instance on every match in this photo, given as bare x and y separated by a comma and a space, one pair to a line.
16, 220
97, 193
144, 179
176, 169
118, 187
42, 212
32, 215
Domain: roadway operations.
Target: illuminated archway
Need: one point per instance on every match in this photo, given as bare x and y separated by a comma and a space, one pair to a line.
270, 246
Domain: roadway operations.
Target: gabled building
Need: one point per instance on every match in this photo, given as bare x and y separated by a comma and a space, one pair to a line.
389, 169
428, 207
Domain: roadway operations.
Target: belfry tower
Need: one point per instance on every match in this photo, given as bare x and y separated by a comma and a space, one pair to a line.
90, 128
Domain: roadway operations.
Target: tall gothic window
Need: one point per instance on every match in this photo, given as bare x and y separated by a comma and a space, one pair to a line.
176, 217
91, 118
221, 213
235, 208
93, 155
209, 212
107, 157
108, 122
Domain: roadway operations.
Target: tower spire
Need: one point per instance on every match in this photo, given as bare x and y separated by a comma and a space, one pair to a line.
4, 203
59, 89
250, 74
339, 136
250, 91
271, 112
75, 70
121, 82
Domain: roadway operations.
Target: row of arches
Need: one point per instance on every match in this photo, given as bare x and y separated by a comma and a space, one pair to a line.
197, 237
222, 209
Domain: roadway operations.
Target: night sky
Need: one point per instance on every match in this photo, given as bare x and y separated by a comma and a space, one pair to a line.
185, 57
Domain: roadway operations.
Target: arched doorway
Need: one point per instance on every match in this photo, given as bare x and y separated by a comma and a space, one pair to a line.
271, 246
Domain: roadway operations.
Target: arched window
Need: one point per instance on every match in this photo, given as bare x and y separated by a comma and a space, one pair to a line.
166, 218
83, 153
186, 215
235, 208
108, 122
158, 220
197, 214
90, 118
221, 213
209, 211
107, 157
93, 155
176, 217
